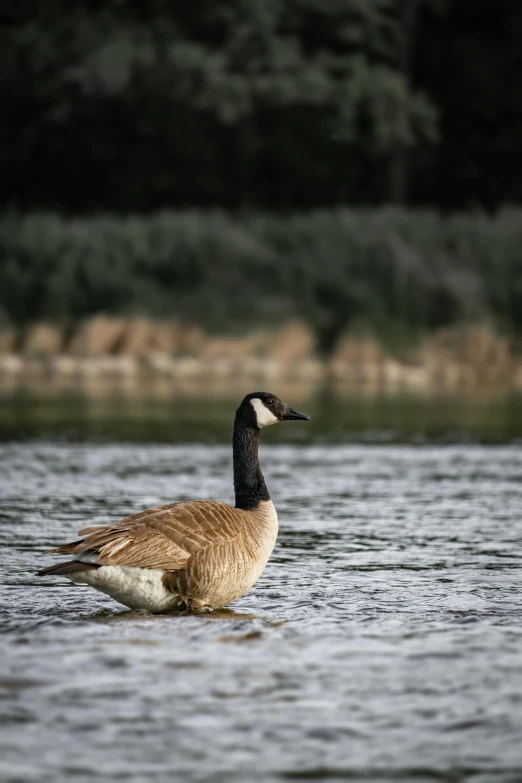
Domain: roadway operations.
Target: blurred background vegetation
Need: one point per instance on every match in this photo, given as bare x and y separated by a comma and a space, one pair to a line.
388, 272
356, 163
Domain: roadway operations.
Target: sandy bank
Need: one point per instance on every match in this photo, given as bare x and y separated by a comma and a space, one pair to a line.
139, 356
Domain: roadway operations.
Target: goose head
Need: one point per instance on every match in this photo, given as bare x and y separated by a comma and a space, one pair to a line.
261, 409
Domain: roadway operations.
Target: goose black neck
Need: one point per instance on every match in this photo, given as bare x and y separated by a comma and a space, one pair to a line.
249, 484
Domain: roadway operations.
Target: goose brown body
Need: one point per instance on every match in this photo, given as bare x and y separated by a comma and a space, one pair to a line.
197, 555
208, 553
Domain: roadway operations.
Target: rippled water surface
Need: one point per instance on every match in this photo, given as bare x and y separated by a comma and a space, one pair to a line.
382, 643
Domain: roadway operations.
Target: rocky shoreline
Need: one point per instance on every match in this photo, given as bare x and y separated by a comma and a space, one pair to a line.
138, 356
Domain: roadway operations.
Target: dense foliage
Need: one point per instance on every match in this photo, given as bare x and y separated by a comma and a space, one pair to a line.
129, 105
390, 271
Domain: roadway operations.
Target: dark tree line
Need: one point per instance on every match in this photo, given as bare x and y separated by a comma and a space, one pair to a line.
129, 105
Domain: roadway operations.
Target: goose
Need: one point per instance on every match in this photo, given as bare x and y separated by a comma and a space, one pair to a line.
192, 556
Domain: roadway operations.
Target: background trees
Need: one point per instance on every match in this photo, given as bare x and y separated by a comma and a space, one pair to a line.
129, 105
387, 272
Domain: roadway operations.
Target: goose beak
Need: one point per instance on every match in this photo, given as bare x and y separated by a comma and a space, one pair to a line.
291, 414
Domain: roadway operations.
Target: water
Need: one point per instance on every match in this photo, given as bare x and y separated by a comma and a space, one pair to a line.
382, 643
177, 418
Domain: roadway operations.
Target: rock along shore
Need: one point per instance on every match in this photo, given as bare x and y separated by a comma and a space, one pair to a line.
139, 356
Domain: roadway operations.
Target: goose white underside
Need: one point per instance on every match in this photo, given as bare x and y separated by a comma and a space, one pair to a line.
137, 588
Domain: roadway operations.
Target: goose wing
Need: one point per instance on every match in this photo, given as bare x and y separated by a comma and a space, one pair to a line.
163, 537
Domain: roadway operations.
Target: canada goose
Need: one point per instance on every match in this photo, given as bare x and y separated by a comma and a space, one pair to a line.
196, 555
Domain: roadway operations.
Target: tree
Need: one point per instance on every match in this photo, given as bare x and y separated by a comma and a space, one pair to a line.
241, 102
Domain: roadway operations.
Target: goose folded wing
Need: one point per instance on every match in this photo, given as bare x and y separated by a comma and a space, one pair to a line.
163, 537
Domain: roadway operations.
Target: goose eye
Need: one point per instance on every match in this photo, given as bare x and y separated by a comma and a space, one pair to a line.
270, 401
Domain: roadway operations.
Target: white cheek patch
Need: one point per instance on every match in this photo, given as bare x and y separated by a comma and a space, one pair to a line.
264, 416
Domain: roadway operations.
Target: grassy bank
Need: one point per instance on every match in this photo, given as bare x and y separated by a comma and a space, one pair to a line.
392, 273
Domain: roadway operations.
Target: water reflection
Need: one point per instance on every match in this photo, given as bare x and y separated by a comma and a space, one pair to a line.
131, 616
334, 419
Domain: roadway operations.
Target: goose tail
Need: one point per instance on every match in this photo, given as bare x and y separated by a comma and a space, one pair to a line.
66, 569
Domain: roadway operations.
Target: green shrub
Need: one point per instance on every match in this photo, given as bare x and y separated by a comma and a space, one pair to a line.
391, 272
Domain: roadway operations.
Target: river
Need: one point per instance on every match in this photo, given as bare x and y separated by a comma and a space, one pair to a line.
382, 643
